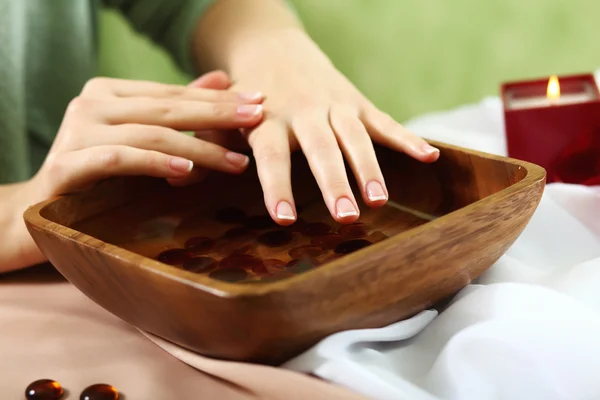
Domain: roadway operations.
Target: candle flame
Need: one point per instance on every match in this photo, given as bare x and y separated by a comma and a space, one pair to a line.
553, 91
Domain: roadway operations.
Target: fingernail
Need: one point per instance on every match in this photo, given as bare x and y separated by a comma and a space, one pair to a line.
249, 110
285, 211
345, 208
181, 164
251, 96
237, 159
375, 191
429, 149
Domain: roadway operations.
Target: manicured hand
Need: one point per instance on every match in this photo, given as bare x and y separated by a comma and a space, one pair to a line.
120, 127
311, 106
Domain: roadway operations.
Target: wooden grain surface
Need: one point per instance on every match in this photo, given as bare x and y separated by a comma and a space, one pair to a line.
479, 205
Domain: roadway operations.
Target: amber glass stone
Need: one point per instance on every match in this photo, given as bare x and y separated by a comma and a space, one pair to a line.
276, 238
174, 256
327, 241
316, 229
199, 245
44, 389
200, 264
305, 251
353, 231
259, 222
274, 265
351, 246
229, 275
230, 215
99, 391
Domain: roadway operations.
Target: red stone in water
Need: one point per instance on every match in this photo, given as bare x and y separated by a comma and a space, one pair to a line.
44, 389
305, 251
241, 250
276, 238
353, 231
351, 246
259, 222
200, 264
273, 265
239, 261
199, 245
230, 215
327, 241
229, 275
174, 256
228, 248
99, 391
316, 229
259, 268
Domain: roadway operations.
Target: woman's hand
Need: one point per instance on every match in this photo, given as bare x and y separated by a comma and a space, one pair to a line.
311, 106
120, 127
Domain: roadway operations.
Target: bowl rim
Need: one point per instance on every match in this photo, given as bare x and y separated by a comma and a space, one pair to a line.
534, 174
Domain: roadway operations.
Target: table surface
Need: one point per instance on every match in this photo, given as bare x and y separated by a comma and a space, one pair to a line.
48, 329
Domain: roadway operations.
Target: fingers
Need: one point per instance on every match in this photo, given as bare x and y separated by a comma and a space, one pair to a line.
201, 153
180, 115
78, 169
270, 145
130, 88
387, 132
358, 149
327, 165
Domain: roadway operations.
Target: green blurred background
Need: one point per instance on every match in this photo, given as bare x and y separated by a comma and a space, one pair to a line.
411, 57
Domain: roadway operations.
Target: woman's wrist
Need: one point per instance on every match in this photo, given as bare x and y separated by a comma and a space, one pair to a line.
230, 26
18, 250
286, 48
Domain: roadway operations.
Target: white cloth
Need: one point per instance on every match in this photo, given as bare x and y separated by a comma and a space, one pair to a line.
528, 329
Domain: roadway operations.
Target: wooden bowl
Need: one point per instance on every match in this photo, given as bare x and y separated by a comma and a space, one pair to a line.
244, 297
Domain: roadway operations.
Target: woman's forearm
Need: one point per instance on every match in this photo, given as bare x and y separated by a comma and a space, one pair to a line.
17, 249
230, 25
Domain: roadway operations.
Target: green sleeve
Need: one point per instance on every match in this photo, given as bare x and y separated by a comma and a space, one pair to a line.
169, 23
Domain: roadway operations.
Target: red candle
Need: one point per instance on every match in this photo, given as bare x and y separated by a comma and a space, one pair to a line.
555, 123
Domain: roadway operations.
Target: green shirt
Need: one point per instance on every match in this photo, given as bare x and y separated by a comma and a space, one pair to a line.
48, 52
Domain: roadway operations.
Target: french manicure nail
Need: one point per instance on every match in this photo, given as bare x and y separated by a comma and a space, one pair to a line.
429, 149
237, 159
251, 96
181, 164
345, 208
375, 191
249, 110
285, 211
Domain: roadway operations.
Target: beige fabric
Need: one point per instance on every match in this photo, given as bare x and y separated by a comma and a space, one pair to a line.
48, 329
